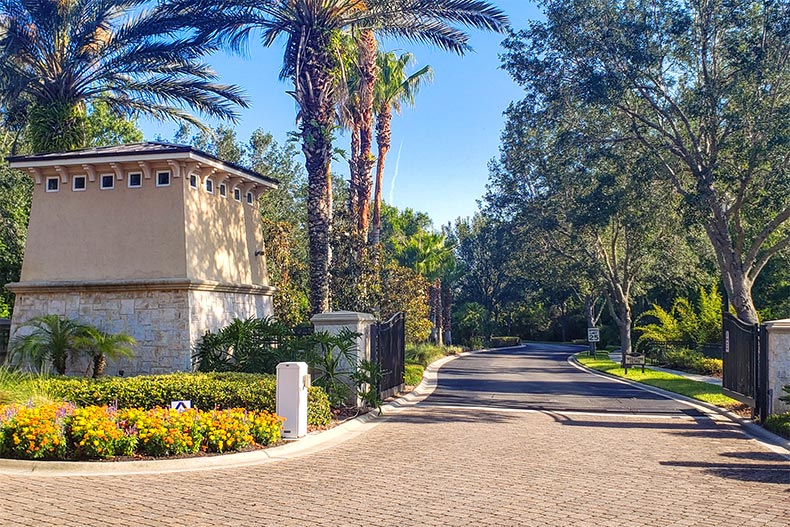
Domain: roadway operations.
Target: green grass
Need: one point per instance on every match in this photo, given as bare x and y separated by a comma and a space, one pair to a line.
413, 374
425, 353
702, 391
18, 387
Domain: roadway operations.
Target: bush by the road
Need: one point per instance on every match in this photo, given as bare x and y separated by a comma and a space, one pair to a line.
504, 342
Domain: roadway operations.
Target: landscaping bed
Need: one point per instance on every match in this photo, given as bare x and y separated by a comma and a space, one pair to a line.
702, 391
67, 418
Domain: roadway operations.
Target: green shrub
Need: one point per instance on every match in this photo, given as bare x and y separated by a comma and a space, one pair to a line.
476, 343
413, 374
504, 342
779, 424
425, 354
207, 391
684, 359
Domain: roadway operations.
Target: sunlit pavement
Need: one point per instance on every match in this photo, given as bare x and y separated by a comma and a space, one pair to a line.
509, 438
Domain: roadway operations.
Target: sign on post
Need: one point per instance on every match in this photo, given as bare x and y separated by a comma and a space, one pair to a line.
593, 335
181, 406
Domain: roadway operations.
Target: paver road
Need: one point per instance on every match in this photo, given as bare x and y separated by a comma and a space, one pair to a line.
456, 464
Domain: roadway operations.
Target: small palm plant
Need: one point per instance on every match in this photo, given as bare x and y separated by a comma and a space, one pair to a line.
101, 345
50, 341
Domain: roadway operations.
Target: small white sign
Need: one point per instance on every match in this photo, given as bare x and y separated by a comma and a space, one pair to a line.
181, 406
593, 335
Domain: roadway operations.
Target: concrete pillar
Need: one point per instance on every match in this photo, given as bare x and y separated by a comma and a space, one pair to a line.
334, 322
778, 364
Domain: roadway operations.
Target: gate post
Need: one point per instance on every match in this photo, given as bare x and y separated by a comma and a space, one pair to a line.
333, 322
776, 365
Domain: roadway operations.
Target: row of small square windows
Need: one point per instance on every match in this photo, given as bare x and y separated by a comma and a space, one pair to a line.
135, 180
223, 189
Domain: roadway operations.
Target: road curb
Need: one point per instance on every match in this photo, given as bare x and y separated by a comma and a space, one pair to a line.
311, 443
751, 429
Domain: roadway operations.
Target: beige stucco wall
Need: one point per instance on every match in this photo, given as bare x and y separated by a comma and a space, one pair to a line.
222, 236
778, 364
96, 234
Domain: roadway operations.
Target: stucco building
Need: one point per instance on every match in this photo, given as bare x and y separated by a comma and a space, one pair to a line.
161, 241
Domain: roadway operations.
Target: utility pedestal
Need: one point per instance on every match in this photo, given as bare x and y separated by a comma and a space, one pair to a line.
293, 382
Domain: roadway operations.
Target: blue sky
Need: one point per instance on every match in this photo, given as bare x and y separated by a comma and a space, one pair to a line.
445, 142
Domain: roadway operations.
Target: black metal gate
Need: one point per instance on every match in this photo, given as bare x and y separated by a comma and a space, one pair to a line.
740, 356
389, 352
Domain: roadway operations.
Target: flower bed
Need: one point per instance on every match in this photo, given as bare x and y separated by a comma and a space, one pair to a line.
63, 431
207, 391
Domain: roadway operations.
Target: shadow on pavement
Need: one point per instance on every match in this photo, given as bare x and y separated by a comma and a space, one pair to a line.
439, 415
758, 473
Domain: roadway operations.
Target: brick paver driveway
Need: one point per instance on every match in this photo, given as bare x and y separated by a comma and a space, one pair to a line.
464, 461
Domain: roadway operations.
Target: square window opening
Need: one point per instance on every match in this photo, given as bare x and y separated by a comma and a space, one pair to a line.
249, 198
209, 186
53, 184
107, 181
163, 179
237, 194
78, 183
135, 180
193, 181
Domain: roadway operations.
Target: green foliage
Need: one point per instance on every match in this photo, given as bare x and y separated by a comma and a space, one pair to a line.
105, 128
778, 424
404, 290
251, 346
47, 340
100, 346
684, 322
684, 359
17, 387
16, 190
135, 61
424, 354
367, 379
206, 391
333, 362
470, 321
413, 374
504, 342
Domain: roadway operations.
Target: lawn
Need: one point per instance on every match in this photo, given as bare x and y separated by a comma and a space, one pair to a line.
702, 391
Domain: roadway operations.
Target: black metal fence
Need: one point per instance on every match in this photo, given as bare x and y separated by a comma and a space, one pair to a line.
5, 335
741, 349
388, 350
656, 351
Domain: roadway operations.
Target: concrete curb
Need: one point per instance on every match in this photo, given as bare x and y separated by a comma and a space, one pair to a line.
774, 442
314, 442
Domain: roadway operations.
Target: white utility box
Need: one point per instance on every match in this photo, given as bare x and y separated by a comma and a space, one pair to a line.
292, 384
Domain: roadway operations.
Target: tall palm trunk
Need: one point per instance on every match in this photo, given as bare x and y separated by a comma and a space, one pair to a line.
383, 141
353, 187
447, 301
368, 70
313, 83
435, 298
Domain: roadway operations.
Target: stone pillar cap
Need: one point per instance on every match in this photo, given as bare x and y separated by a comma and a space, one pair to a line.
331, 317
779, 324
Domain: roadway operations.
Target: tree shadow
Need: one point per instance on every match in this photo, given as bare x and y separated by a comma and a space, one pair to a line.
751, 472
439, 415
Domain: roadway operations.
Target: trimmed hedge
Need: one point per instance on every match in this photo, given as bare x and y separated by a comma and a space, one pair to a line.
504, 342
207, 391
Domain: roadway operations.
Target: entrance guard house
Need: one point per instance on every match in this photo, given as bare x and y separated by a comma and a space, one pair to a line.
160, 241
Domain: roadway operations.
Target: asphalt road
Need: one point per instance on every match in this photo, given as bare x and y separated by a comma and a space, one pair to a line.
539, 377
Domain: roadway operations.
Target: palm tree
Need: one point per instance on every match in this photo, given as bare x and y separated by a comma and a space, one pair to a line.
100, 346
58, 56
430, 255
51, 340
393, 89
312, 29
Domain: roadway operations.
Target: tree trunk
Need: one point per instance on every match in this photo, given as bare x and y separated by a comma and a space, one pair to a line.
383, 140
368, 70
448, 319
99, 364
313, 93
435, 301
353, 185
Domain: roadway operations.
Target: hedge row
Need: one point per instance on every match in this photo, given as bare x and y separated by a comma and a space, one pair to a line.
207, 391
504, 342
64, 431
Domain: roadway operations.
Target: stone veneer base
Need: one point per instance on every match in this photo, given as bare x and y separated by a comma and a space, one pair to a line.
165, 322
